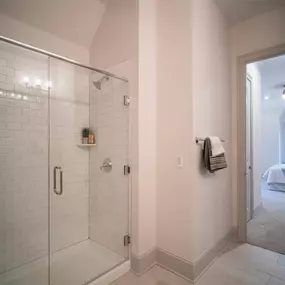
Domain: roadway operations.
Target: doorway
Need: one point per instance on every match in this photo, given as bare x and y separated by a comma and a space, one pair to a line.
264, 159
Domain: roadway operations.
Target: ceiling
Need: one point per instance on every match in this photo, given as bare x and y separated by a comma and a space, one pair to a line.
237, 11
68, 19
78, 23
272, 73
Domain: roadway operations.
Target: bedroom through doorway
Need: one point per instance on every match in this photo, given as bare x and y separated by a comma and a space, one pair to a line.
265, 153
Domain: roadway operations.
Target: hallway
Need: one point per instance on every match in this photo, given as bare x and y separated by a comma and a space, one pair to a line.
267, 228
241, 264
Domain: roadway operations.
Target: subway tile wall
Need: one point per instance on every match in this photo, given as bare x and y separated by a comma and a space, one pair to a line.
24, 156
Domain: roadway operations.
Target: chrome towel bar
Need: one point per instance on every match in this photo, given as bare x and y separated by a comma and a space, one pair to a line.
201, 140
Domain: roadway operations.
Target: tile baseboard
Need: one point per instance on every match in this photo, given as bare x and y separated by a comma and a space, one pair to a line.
141, 264
176, 264
202, 264
186, 269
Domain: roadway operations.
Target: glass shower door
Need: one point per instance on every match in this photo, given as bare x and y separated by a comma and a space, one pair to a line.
69, 168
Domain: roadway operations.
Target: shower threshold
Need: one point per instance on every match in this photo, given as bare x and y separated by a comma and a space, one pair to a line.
78, 264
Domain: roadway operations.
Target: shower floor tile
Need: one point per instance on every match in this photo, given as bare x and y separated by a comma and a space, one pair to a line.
75, 265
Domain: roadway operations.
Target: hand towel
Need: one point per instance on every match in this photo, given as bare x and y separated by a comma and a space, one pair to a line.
217, 146
213, 163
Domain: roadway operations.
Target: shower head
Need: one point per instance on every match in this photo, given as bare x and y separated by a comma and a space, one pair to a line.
98, 83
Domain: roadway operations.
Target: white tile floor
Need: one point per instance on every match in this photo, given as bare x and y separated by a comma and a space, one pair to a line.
75, 265
241, 264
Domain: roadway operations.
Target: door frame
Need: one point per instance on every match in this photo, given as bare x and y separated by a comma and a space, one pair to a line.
242, 61
251, 190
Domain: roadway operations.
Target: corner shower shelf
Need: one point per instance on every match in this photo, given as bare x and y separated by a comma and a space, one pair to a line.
86, 145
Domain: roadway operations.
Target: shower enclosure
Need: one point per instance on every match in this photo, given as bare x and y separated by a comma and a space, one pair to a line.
64, 205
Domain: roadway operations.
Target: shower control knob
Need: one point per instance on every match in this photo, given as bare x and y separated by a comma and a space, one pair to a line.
107, 165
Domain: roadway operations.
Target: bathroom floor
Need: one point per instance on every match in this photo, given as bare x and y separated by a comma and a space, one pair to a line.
241, 264
74, 265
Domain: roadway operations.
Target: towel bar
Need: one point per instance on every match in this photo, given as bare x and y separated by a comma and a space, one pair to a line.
198, 140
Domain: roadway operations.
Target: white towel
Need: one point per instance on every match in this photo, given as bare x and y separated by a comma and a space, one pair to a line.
217, 146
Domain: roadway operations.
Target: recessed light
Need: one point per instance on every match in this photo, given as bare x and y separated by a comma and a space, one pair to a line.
49, 84
38, 82
26, 80
283, 96
25, 97
266, 97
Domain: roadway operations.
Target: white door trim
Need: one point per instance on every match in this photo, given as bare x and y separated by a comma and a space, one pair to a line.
250, 171
241, 124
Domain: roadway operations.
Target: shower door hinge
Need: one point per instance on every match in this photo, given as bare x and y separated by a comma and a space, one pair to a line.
127, 169
127, 100
127, 240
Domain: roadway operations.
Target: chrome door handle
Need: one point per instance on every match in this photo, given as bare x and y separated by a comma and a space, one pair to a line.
60, 191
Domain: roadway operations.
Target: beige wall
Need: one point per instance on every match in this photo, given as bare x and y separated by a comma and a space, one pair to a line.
30, 35
174, 128
257, 153
147, 127
193, 100
211, 116
251, 36
116, 38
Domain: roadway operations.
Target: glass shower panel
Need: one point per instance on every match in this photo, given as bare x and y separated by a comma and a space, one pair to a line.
24, 91
109, 187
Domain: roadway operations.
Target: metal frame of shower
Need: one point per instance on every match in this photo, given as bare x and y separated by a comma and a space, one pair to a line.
44, 52
109, 74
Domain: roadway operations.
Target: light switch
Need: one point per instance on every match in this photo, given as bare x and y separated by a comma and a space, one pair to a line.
179, 161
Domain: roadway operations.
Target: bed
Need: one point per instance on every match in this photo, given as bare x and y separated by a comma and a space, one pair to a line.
275, 177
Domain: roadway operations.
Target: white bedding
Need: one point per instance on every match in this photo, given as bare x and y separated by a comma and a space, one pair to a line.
275, 174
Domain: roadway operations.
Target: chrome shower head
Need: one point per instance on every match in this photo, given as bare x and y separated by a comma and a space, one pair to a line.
98, 83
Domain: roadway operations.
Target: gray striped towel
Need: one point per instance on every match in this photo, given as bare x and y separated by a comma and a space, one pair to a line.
213, 163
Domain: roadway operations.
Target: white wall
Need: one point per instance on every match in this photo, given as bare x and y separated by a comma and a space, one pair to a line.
211, 116
271, 113
272, 110
254, 35
256, 131
30, 35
